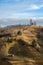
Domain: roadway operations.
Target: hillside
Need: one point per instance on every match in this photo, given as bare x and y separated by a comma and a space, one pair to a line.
24, 43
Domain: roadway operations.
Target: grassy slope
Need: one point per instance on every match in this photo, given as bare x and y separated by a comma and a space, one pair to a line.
24, 52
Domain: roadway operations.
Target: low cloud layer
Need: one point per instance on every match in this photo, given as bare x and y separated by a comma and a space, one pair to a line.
8, 22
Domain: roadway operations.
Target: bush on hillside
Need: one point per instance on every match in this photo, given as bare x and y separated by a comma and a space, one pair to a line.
19, 33
9, 40
34, 43
40, 36
21, 42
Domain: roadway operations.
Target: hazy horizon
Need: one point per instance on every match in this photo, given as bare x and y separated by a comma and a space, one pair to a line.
12, 21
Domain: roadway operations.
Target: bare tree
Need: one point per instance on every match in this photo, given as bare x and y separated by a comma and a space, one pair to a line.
31, 23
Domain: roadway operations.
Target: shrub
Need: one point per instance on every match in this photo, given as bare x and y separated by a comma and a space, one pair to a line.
9, 40
21, 42
19, 33
34, 43
38, 49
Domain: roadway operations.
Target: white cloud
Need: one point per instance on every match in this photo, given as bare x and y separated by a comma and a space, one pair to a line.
34, 7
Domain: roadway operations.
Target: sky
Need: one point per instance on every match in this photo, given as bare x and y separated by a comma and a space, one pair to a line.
21, 9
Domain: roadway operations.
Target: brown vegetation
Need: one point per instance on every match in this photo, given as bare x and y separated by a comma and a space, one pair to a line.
25, 42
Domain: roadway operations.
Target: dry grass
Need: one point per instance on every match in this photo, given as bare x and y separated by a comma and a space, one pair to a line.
25, 51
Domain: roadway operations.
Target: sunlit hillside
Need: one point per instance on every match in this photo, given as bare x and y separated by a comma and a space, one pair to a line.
22, 43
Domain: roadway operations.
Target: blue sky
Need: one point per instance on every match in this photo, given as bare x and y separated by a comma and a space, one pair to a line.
19, 9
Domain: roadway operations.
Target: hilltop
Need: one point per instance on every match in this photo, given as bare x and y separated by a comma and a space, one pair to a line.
24, 42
